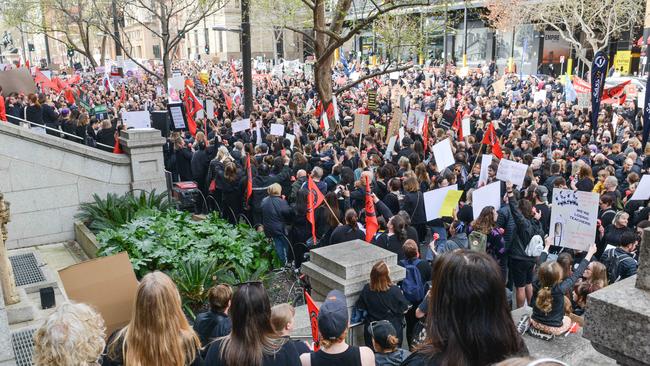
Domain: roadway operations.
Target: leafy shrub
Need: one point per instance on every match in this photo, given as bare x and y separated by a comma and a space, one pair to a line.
115, 211
166, 240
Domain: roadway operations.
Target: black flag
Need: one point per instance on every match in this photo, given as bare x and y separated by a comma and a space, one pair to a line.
598, 72
646, 113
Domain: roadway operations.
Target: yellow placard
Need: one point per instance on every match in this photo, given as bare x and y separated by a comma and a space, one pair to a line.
622, 61
450, 203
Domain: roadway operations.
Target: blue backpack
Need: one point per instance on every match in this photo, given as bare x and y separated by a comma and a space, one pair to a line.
413, 286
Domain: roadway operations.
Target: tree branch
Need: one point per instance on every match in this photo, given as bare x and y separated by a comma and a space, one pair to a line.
370, 76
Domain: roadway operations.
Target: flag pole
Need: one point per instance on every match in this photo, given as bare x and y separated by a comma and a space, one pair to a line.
332, 211
477, 155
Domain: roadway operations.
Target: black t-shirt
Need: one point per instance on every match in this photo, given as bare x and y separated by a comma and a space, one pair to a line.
418, 359
287, 355
383, 305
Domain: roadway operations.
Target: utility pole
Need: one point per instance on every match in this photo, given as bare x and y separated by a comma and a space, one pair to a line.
47, 39
465, 36
246, 57
116, 29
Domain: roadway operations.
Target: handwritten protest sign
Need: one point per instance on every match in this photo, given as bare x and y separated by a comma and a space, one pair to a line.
499, 86
242, 125
512, 171
434, 199
415, 120
361, 123
574, 217
277, 129
394, 124
137, 119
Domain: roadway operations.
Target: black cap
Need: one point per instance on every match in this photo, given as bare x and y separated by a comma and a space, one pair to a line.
380, 331
333, 315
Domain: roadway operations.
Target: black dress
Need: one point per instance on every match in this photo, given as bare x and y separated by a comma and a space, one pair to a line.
383, 305
287, 355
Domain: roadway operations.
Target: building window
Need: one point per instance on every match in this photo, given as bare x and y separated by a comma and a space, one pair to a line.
156, 51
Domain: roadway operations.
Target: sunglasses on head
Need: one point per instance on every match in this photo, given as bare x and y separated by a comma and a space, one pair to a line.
249, 283
373, 324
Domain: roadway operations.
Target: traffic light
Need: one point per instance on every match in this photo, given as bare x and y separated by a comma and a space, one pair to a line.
207, 50
30, 47
70, 52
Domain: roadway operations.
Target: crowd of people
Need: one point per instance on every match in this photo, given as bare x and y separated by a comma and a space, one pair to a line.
266, 178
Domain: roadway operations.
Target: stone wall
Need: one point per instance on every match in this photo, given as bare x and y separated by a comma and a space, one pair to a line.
45, 178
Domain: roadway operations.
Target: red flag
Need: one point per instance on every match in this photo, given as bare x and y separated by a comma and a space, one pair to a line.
29, 67
314, 199
122, 98
371, 219
615, 94
458, 125
117, 149
233, 71
228, 100
74, 80
313, 319
69, 96
490, 138
425, 133
192, 105
249, 181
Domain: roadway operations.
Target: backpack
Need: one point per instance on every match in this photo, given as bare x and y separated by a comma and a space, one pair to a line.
535, 246
413, 286
477, 241
612, 262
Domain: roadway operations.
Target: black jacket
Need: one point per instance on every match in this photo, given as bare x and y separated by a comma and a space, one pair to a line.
344, 233
275, 214
525, 230
106, 137
211, 325
183, 159
34, 114
413, 204
262, 182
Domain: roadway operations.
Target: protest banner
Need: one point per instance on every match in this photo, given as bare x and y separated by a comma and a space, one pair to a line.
512, 171
137, 119
450, 203
486, 160
277, 129
489, 195
434, 199
574, 217
243, 125
372, 100
642, 191
443, 154
394, 124
361, 124
17, 81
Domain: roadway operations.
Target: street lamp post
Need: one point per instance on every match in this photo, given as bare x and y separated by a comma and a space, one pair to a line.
246, 57
116, 30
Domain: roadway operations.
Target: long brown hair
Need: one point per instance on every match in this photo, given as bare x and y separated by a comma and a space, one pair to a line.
468, 319
550, 273
379, 277
485, 221
158, 333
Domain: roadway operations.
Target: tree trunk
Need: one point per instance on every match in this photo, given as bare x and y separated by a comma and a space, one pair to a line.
323, 67
102, 52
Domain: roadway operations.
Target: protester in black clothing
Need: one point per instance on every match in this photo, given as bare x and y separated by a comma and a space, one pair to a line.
200, 163
282, 320
215, 323
252, 341
411, 254
413, 204
276, 215
34, 113
182, 160
50, 115
395, 237
349, 231
460, 337
333, 323
106, 136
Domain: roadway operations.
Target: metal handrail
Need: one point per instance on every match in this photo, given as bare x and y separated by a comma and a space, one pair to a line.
54, 129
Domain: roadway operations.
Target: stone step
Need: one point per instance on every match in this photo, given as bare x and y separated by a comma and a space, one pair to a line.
351, 259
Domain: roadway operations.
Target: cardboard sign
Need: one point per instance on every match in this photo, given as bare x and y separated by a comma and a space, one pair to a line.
277, 129
499, 86
642, 191
574, 217
443, 154
137, 119
584, 100
394, 124
415, 120
512, 171
483, 197
486, 160
243, 125
108, 284
361, 123
434, 199
17, 81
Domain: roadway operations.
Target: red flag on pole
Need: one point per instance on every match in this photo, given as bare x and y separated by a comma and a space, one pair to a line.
249, 180
69, 96
192, 105
228, 100
458, 125
490, 138
313, 319
117, 149
371, 219
314, 199
233, 71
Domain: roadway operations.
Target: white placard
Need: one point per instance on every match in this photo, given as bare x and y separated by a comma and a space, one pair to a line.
433, 201
178, 119
402, 133
486, 160
391, 146
336, 108
512, 171
539, 96
291, 138
443, 154
642, 191
209, 108
137, 119
394, 75
177, 82
466, 126
277, 129
200, 114
326, 122
243, 125
489, 195
574, 217
415, 120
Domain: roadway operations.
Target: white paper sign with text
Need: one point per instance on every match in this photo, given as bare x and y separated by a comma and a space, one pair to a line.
512, 171
574, 217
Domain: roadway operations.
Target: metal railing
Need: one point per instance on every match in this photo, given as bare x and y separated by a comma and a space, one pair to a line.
56, 131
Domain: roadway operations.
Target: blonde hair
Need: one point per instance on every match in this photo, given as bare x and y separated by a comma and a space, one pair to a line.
274, 189
281, 315
71, 336
550, 273
158, 333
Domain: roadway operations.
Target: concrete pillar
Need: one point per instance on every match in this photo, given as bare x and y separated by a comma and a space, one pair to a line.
144, 147
617, 320
7, 280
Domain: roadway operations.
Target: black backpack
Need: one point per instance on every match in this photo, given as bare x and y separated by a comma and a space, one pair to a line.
612, 262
